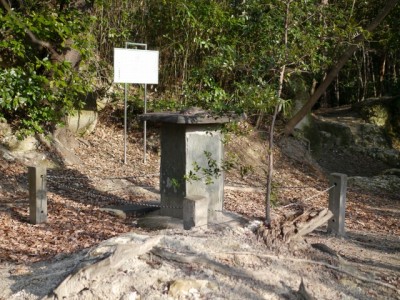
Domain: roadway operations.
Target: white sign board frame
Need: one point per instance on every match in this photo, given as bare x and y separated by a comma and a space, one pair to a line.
135, 66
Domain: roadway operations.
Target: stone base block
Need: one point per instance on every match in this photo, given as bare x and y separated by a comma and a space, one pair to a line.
195, 212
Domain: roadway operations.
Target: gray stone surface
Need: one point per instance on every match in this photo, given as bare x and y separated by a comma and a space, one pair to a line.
82, 122
155, 221
195, 212
222, 221
337, 203
195, 117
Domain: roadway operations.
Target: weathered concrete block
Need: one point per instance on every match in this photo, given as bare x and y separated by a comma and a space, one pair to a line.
195, 212
37, 195
337, 203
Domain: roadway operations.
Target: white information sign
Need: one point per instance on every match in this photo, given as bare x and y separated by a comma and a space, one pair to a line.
135, 66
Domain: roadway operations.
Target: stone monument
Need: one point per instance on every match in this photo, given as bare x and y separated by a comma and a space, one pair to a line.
186, 137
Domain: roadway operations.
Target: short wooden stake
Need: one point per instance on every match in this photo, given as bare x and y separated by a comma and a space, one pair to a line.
37, 195
337, 203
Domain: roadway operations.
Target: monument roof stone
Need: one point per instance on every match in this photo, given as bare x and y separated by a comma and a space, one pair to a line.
192, 115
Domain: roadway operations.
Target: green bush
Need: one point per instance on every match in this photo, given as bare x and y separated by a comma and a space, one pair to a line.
37, 92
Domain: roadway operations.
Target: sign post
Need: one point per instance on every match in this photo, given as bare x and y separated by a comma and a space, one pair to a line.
135, 66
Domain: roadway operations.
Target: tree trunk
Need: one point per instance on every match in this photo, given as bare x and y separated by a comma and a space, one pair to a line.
365, 77
382, 76
337, 90
360, 86
271, 130
390, 4
371, 71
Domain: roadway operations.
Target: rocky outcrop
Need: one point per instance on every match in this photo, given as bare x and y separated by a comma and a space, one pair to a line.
29, 150
62, 141
345, 130
382, 184
23, 150
82, 122
384, 113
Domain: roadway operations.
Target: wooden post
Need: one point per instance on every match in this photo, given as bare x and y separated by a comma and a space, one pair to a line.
337, 203
37, 195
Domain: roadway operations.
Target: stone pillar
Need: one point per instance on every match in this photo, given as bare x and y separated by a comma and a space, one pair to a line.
337, 203
195, 212
182, 146
37, 195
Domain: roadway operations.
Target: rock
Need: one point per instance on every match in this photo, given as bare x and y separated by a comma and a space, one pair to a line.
371, 136
189, 287
15, 145
63, 142
5, 129
93, 275
115, 212
6, 154
395, 172
82, 122
383, 183
12, 143
155, 221
66, 137
302, 293
391, 157
68, 156
131, 296
298, 150
346, 129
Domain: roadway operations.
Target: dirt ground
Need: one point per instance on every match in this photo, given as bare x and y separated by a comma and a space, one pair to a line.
84, 252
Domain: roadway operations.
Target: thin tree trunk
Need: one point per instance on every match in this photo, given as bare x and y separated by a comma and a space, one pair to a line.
324, 97
372, 72
271, 152
360, 87
390, 4
382, 76
260, 119
352, 9
337, 91
272, 127
365, 77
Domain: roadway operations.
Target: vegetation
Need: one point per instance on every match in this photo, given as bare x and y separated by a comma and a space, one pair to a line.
39, 59
221, 55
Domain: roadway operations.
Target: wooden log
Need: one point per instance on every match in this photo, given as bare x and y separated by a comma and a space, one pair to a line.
314, 223
283, 231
